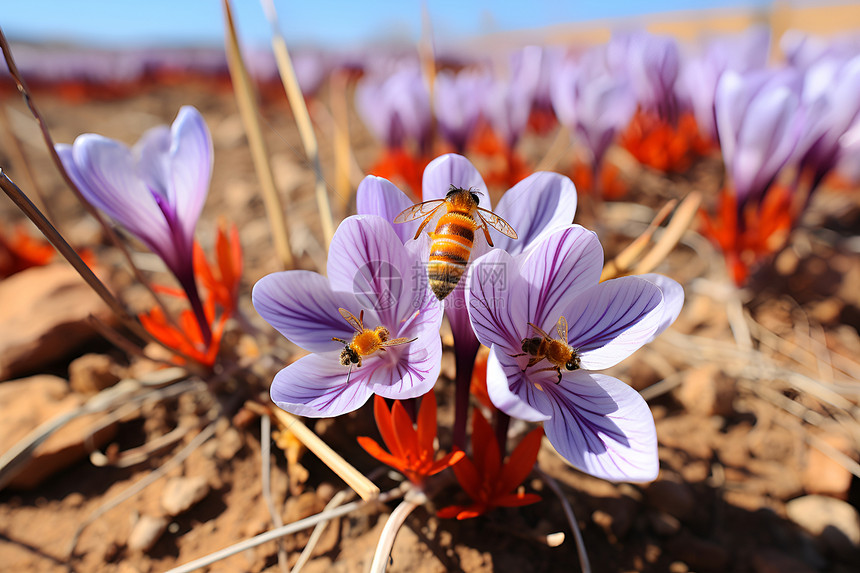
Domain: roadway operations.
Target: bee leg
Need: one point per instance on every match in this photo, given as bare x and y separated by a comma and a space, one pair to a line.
517, 355
554, 368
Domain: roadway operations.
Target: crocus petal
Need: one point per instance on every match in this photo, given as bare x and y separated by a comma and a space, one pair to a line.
368, 259
375, 450
510, 391
493, 284
152, 151
427, 422
409, 370
105, 172
612, 320
516, 499
456, 170
385, 424
558, 269
190, 167
378, 196
673, 299
603, 427
316, 386
539, 204
522, 460
302, 307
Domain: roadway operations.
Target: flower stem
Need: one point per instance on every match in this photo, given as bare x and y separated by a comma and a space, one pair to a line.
189, 284
464, 358
392, 526
502, 422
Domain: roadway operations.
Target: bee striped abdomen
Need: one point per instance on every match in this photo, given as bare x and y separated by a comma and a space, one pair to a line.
449, 252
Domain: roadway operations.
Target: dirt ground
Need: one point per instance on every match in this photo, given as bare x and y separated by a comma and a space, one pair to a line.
754, 393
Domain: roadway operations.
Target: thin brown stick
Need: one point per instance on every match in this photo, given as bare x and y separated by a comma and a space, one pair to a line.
338, 85
266, 478
681, 221
246, 99
19, 160
365, 488
302, 117
624, 260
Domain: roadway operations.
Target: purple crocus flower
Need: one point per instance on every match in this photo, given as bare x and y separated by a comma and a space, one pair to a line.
155, 190
698, 77
593, 102
396, 106
534, 207
458, 100
651, 63
760, 121
596, 422
832, 106
368, 271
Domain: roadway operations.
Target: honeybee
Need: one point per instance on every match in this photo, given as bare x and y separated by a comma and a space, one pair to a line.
455, 233
558, 352
365, 341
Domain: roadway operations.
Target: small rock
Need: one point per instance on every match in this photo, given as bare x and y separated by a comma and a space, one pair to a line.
146, 532
835, 522
822, 474
664, 524
24, 405
229, 444
775, 561
180, 493
672, 496
698, 554
92, 373
706, 391
44, 317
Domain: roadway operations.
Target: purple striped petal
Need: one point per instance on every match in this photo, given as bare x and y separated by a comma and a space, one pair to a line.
610, 321
316, 386
190, 161
378, 196
367, 258
601, 426
539, 204
673, 299
496, 299
558, 268
302, 307
452, 169
106, 174
409, 370
510, 390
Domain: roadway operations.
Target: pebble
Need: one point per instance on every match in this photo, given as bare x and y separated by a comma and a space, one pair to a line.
48, 320
92, 373
672, 496
180, 493
834, 522
24, 405
146, 533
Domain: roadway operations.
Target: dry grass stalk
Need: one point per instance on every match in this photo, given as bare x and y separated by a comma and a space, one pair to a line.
303, 118
246, 99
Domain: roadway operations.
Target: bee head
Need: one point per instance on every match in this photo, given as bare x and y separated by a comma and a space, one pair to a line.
454, 190
349, 356
573, 363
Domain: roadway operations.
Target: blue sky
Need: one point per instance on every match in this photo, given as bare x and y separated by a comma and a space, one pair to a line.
333, 23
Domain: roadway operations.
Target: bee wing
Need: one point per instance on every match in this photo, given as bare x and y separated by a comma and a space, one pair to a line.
496, 222
539, 331
419, 210
561, 328
397, 341
350, 318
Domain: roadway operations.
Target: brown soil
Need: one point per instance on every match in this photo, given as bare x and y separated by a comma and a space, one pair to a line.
731, 454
